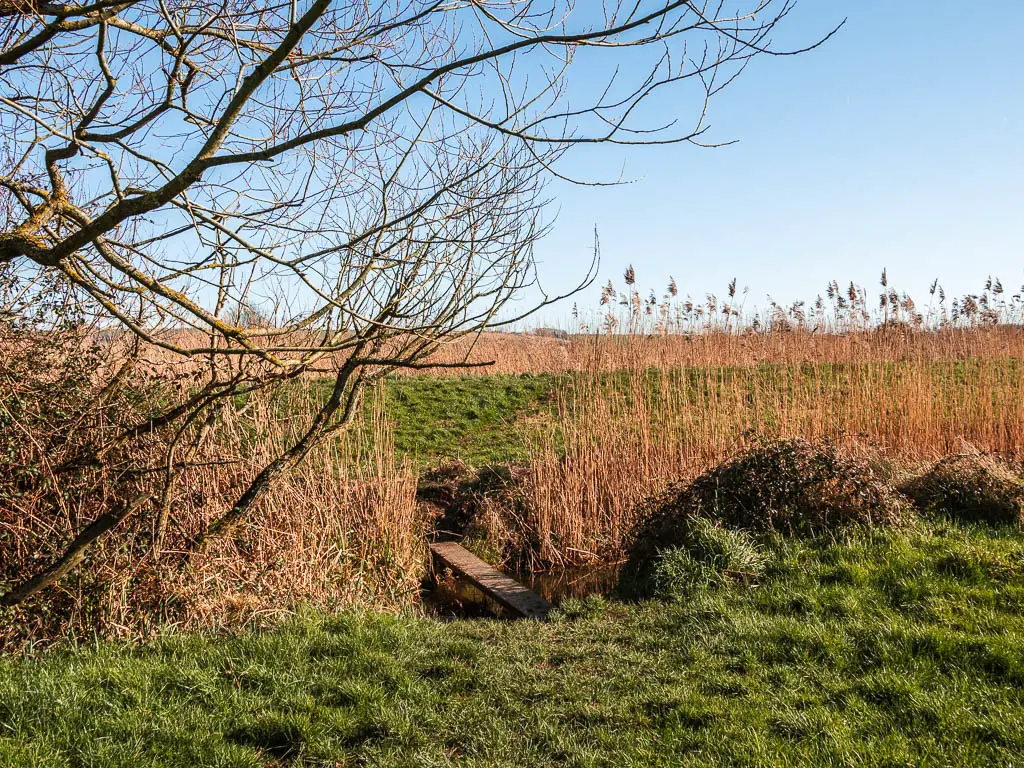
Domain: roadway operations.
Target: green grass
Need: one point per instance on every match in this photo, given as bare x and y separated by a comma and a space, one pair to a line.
902, 649
478, 419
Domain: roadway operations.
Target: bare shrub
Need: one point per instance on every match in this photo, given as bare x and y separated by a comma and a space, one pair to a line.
61, 394
971, 487
341, 529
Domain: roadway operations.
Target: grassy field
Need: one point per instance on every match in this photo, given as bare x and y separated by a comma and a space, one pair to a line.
886, 648
482, 420
902, 649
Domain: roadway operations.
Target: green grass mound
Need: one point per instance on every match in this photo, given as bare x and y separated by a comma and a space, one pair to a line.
712, 557
971, 488
790, 487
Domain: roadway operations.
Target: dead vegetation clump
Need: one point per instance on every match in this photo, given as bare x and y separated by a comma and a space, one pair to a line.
483, 508
970, 487
340, 529
791, 487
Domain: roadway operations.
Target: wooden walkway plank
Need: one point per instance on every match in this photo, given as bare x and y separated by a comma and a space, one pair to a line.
492, 582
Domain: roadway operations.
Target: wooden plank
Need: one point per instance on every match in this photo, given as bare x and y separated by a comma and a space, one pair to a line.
492, 582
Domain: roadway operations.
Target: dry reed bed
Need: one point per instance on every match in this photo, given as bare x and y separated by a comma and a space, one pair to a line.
519, 353
531, 353
343, 529
611, 446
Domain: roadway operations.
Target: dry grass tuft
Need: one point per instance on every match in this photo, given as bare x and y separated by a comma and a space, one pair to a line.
970, 487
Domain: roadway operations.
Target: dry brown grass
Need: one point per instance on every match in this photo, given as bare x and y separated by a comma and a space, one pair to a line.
343, 529
971, 487
518, 353
614, 445
531, 353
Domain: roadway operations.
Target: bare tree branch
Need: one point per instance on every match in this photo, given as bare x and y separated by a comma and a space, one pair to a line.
320, 186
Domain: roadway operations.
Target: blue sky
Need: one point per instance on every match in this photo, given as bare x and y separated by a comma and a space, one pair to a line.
897, 144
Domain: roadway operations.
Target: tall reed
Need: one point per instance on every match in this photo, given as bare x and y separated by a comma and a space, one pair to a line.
342, 529
620, 437
600, 352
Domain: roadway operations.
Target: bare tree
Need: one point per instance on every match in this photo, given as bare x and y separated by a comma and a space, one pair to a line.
312, 185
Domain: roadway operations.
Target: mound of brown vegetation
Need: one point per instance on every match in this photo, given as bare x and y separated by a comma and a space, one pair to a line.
972, 487
481, 507
791, 487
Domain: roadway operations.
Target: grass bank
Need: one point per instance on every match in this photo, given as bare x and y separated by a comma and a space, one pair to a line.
921, 407
897, 649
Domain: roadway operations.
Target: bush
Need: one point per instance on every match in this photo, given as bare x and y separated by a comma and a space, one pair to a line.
60, 398
971, 488
336, 531
786, 486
